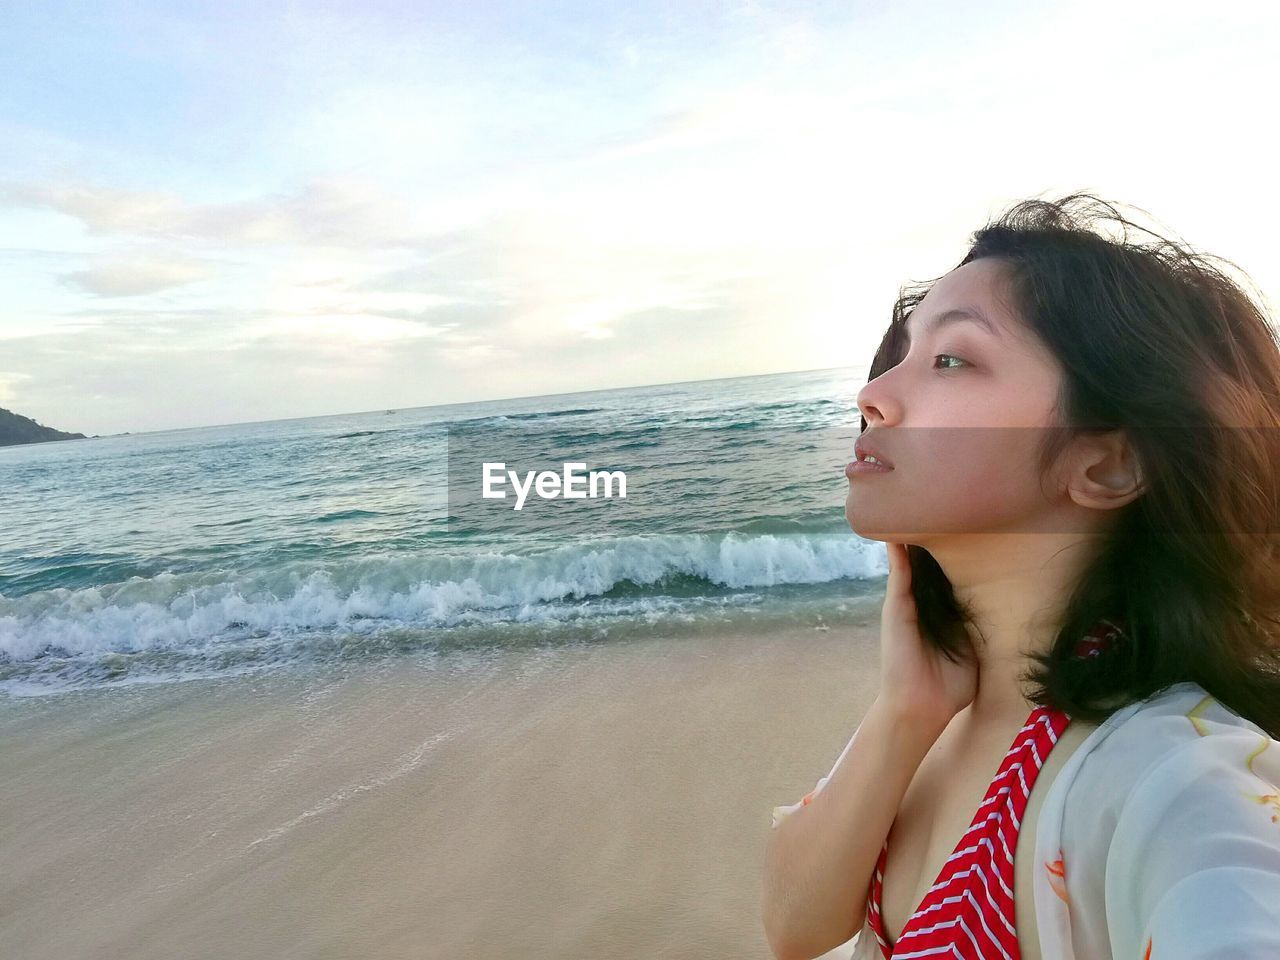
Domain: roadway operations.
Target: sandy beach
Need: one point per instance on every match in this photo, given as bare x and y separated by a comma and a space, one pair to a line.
596, 801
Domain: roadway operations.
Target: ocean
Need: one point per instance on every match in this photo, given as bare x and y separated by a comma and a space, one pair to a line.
154, 558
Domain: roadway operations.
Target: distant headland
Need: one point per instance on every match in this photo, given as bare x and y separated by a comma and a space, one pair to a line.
15, 428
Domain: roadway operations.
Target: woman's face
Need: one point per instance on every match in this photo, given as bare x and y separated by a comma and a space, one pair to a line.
961, 418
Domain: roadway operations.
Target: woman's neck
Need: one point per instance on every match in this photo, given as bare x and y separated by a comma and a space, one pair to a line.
1015, 587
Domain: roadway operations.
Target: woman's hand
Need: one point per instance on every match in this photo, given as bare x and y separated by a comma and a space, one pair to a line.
917, 681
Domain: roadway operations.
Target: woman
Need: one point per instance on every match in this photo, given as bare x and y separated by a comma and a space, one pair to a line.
1078, 488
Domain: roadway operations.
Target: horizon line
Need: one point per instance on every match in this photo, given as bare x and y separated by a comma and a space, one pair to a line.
458, 403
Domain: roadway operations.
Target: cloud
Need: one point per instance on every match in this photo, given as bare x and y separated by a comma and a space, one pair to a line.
149, 371
334, 211
335, 333
475, 354
9, 380
138, 277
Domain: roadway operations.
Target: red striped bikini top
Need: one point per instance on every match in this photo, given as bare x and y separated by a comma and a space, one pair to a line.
968, 912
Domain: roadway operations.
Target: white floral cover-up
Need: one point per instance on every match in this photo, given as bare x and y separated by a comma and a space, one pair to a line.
1159, 839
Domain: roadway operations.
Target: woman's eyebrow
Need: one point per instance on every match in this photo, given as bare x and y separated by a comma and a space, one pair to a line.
971, 314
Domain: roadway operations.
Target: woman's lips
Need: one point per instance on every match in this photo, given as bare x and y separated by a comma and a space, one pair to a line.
862, 468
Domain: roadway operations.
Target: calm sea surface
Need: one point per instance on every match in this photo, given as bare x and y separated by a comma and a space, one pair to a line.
157, 557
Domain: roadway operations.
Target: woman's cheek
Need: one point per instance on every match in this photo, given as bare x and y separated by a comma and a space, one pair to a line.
969, 492
987, 490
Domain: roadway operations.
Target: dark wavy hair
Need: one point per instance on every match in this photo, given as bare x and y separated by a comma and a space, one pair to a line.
1157, 340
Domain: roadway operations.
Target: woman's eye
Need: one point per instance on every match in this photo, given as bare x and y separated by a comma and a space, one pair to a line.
947, 356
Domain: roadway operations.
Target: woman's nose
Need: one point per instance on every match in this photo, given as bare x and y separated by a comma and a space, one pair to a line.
877, 399
868, 408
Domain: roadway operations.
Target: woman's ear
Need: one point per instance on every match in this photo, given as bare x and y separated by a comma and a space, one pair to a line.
1105, 472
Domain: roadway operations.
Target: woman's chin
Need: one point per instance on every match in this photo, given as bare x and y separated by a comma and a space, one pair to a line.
866, 525
874, 532
870, 528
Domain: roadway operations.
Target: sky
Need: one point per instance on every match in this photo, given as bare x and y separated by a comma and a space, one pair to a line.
258, 210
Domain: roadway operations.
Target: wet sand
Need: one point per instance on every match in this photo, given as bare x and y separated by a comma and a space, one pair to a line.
602, 801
